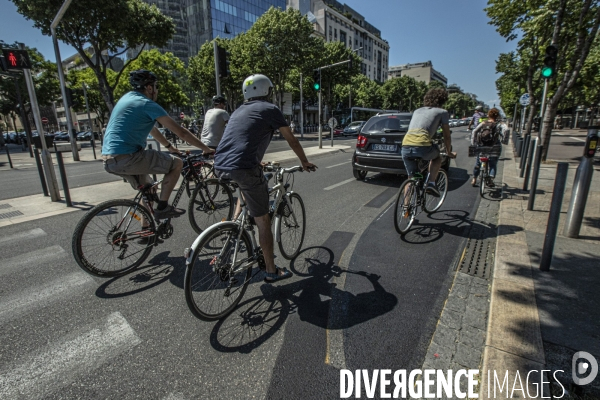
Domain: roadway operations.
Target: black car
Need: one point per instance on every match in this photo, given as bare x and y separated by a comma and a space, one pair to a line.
86, 135
379, 145
62, 136
353, 128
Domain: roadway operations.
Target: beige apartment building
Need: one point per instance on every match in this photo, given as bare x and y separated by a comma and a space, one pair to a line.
420, 71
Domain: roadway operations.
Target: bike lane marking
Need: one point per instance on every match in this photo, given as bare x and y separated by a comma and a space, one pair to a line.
339, 184
32, 258
30, 234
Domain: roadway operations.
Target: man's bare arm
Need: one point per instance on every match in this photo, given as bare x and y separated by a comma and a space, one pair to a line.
183, 133
448, 140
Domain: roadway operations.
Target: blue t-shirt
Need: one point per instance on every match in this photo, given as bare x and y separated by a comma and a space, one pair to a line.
247, 135
130, 123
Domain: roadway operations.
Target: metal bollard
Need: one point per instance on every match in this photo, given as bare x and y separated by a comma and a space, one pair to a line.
557, 197
63, 177
581, 186
534, 179
38, 162
532, 147
93, 147
519, 146
524, 152
8, 155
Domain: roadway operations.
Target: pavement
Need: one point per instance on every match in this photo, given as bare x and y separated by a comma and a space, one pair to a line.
539, 320
28, 208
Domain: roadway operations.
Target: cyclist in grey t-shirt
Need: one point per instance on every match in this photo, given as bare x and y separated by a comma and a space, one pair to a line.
214, 123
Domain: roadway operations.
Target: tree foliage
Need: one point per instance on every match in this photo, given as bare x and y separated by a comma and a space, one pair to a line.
110, 28
76, 78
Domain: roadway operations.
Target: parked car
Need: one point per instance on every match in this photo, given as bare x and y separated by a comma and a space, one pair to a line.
353, 128
62, 136
87, 136
379, 145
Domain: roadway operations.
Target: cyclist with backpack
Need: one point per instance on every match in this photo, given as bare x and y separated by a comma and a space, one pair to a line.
487, 134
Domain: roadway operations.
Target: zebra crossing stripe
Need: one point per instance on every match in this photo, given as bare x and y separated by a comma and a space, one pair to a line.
32, 258
42, 373
32, 298
30, 234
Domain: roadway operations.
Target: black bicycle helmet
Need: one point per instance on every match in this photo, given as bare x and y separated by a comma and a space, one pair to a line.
140, 78
219, 100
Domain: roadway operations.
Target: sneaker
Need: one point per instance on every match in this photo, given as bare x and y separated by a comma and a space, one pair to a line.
490, 181
432, 190
168, 212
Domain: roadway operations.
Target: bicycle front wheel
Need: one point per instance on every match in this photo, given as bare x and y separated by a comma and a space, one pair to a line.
432, 203
212, 288
406, 206
211, 202
292, 225
109, 240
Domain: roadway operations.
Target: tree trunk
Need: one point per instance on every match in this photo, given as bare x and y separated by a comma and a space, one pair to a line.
529, 124
106, 91
549, 115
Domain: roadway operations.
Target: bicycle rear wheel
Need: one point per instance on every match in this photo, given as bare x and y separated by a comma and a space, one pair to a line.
432, 203
212, 289
405, 207
292, 225
482, 180
211, 202
105, 241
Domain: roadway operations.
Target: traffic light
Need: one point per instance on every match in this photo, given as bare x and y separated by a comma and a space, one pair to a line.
317, 79
16, 59
73, 97
223, 62
549, 68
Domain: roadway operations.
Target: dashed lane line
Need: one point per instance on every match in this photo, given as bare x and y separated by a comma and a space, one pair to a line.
337, 165
340, 184
30, 234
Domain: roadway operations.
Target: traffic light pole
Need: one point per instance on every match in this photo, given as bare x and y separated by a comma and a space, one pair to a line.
61, 77
217, 82
87, 107
320, 125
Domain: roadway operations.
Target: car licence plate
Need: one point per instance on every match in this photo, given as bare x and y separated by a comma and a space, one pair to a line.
384, 147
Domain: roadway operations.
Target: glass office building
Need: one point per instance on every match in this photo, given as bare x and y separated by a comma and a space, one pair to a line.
208, 19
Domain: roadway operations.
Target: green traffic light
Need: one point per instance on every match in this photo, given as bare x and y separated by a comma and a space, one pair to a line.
316, 86
547, 72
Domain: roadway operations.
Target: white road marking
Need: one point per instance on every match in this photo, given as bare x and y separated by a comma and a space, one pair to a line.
34, 258
337, 165
41, 374
30, 234
37, 297
574, 138
340, 184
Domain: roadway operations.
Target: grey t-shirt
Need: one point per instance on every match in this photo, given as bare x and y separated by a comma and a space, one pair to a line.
423, 125
214, 126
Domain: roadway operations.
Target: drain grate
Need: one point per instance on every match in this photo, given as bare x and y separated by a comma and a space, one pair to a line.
10, 214
478, 258
6, 205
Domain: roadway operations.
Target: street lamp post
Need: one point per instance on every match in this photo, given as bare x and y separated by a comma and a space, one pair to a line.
87, 106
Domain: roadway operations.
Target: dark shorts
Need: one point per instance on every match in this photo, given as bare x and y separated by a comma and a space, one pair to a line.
424, 152
254, 187
136, 167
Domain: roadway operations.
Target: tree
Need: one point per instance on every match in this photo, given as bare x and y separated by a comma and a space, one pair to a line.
109, 28
169, 70
435, 84
574, 27
86, 76
366, 92
459, 104
403, 93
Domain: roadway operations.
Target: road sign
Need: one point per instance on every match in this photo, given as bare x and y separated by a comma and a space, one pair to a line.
44, 120
16, 59
332, 123
524, 100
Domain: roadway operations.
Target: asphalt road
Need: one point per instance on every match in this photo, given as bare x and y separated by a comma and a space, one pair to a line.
362, 298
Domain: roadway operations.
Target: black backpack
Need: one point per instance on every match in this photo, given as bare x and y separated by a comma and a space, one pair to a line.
488, 135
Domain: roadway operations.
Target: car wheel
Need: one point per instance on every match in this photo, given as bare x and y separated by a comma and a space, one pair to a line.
359, 174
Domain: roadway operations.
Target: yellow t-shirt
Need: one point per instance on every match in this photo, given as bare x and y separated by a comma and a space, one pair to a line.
417, 138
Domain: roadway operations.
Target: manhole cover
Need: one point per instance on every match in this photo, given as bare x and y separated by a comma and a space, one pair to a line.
478, 258
10, 214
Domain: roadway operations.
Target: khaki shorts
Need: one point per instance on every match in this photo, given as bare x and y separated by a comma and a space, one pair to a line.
136, 167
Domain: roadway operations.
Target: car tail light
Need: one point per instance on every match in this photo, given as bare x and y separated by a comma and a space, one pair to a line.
361, 142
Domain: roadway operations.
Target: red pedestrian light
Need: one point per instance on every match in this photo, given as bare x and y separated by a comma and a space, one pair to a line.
12, 59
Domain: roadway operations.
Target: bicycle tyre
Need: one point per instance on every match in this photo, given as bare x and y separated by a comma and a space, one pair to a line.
296, 206
482, 178
93, 261
211, 202
205, 171
432, 203
200, 270
403, 218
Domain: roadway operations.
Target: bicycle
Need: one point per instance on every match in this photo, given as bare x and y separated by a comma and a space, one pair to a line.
105, 244
484, 153
412, 197
219, 263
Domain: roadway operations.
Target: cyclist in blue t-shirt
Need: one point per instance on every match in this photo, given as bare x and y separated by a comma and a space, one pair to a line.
123, 149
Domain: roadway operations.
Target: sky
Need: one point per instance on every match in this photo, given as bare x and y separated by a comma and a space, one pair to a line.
453, 34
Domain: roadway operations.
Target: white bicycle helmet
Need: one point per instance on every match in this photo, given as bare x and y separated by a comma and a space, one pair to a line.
479, 108
256, 86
